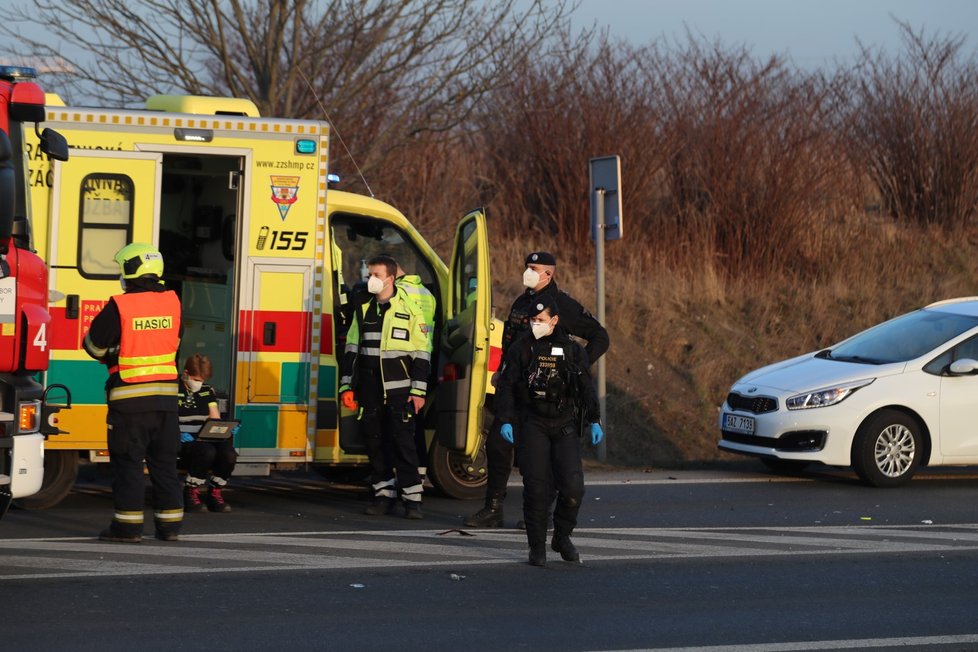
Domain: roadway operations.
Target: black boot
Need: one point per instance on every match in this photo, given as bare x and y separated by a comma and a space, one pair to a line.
568, 551
378, 506
489, 516
538, 554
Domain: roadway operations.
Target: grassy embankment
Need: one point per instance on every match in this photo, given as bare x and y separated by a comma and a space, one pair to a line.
680, 337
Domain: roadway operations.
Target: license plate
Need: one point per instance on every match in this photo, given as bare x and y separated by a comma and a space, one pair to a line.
737, 423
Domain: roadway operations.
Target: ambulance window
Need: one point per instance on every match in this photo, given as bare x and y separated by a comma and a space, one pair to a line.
356, 240
466, 269
106, 223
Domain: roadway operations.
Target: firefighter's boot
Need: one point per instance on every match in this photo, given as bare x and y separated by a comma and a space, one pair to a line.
489, 516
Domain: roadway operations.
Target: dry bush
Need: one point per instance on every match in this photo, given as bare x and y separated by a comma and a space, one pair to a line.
912, 128
755, 169
583, 100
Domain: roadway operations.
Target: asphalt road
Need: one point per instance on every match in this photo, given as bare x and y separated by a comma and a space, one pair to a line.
710, 560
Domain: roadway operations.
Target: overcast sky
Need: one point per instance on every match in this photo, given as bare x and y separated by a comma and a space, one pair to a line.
811, 32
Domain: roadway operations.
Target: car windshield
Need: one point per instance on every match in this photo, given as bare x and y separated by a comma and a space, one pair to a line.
903, 338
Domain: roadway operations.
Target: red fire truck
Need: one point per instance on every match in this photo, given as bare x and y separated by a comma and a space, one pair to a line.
26, 415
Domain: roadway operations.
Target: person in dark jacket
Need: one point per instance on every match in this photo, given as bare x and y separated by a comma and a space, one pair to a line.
543, 396
136, 335
538, 278
209, 464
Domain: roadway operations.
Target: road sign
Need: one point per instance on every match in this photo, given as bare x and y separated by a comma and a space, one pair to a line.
605, 194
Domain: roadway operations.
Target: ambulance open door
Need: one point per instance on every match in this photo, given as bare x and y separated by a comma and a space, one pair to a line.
101, 201
465, 339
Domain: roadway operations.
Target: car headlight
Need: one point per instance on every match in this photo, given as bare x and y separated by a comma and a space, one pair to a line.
825, 397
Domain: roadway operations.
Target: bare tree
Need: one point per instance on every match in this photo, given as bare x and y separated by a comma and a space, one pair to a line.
386, 71
914, 128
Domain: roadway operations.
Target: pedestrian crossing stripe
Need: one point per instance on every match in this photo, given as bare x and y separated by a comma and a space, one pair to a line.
44, 558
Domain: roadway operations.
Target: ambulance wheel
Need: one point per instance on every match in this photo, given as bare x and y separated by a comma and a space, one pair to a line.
455, 475
60, 473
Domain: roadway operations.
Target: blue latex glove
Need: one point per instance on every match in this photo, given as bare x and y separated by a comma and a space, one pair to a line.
186, 438
235, 430
597, 434
507, 432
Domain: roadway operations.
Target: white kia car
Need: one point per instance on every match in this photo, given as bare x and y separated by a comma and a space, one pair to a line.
894, 397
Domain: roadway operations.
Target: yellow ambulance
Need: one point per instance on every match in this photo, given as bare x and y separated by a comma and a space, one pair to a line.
266, 259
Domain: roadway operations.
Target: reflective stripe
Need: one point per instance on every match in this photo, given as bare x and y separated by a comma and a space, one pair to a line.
370, 336
412, 493
420, 384
385, 489
128, 517
147, 370
394, 355
142, 389
397, 384
169, 515
351, 348
371, 351
345, 382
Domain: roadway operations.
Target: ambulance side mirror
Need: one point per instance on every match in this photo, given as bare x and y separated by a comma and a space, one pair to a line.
54, 144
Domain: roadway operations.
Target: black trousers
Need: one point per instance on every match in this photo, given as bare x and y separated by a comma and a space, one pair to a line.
388, 426
499, 460
153, 436
205, 458
550, 460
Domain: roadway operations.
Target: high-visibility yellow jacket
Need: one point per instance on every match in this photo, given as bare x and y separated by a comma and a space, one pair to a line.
405, 358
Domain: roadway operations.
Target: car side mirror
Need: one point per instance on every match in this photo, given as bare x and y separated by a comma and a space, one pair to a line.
963, 367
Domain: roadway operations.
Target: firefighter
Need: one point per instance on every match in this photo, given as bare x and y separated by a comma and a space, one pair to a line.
538, 278
542, 398
384, 376
136, 335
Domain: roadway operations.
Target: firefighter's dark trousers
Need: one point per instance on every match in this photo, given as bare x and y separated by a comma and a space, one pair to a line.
550, 459
153, 436
388, 427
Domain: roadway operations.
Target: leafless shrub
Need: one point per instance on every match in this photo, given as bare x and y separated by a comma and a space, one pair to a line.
755, 169
583, 100
914, 128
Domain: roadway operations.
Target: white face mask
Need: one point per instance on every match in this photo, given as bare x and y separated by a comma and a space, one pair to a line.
531, 277
193, 385
375, 285
540, 328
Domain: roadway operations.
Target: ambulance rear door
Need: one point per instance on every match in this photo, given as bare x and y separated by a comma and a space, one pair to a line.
465, 339
101, 201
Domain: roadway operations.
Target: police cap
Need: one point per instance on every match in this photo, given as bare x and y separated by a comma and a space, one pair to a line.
540, 258
543, 303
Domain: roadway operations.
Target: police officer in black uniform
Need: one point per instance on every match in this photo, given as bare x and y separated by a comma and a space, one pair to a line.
546, 390
538, 278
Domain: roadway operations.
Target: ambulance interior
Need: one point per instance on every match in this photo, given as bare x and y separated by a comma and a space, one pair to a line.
198, 215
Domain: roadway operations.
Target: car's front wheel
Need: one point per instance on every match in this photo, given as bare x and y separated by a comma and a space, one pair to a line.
887, 449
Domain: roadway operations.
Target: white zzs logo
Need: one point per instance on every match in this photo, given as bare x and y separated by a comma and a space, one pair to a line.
262, 236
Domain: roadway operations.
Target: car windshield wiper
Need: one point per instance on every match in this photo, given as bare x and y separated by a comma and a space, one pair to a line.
859, 359
825, 354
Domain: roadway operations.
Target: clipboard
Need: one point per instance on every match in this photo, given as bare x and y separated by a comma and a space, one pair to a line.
217, 429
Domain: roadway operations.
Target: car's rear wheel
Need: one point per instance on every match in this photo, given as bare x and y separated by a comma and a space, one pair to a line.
887, 449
